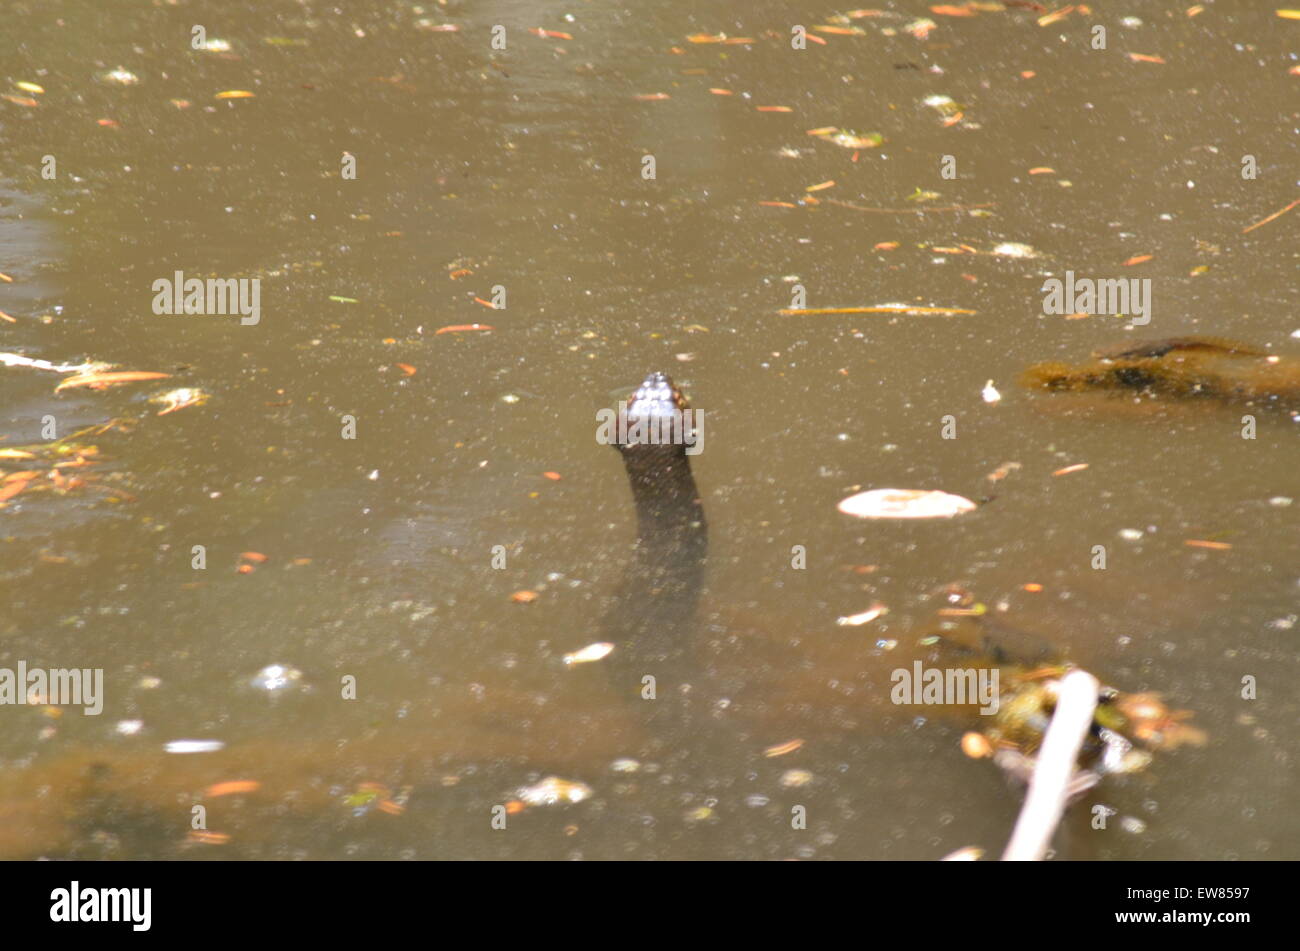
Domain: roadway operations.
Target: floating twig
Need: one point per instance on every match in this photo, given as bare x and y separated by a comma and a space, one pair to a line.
884, 309
909, 211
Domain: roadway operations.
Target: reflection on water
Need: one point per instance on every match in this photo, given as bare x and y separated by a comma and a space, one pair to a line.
386, 563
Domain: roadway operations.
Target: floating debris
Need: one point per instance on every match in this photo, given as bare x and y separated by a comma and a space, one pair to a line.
976, 745
1015, 249
796, 778
277, 678
781, 749
98, 381
847, 138
18, 360
905, 503
194, 746
118, 77
173, 400
590, 653
553, 791
232, 787
946, 106
873, 612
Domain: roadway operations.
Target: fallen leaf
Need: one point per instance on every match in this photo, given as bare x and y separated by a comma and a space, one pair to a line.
905, 503
13, 488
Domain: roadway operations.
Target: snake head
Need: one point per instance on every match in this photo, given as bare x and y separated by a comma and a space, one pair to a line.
656, 414
656, 397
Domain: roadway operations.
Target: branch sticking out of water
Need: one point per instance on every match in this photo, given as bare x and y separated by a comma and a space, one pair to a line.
1048, 789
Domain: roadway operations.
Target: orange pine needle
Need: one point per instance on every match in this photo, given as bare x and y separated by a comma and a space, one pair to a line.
460, 328
232, 788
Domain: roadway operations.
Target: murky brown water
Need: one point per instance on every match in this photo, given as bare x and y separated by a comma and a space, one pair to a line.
523, 166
